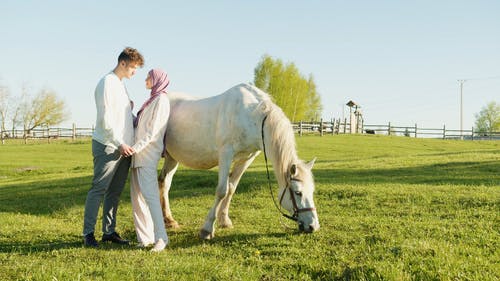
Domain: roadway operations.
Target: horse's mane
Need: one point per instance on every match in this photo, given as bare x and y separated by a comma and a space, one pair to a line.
279, 140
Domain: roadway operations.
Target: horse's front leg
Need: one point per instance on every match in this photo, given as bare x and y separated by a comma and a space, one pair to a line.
165, 182
225, 159
238, 169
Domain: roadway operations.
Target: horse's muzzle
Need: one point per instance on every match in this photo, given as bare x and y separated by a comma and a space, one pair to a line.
310, 229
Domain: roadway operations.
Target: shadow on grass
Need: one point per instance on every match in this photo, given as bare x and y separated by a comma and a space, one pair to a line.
454, 173
188, 238
26, 248
76, 243
180, 239
48, 197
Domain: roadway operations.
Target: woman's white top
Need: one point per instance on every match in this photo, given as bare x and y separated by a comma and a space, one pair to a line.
150, 133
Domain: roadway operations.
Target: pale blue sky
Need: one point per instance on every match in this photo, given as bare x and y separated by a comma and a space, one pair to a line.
400, 60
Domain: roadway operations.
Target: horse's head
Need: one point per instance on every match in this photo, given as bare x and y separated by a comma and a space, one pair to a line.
297, 196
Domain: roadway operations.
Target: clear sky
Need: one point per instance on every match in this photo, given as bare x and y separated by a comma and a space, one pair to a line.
400, 60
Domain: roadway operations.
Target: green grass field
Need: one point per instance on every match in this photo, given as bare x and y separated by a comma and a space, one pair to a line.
390, 208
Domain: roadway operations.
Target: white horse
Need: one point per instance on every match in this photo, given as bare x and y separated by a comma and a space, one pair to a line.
227, 129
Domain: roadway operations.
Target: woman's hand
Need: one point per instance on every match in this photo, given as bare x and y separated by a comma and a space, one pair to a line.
126, 150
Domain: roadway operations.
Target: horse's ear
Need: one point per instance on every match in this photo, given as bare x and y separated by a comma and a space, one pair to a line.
293, 170
311, 164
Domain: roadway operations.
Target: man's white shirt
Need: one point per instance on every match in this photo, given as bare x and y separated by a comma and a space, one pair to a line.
114, 123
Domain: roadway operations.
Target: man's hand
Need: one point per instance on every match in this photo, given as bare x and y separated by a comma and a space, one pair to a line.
126, 150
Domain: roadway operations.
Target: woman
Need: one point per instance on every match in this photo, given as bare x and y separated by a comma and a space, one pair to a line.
150, 127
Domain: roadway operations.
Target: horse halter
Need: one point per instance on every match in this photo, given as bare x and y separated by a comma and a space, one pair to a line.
296, 209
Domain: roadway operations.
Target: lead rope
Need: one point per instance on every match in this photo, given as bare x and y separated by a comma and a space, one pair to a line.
269, 179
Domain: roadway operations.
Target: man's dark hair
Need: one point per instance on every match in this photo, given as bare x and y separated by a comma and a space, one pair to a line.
131, 55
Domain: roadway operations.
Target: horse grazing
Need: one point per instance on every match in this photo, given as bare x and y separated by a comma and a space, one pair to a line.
229, 129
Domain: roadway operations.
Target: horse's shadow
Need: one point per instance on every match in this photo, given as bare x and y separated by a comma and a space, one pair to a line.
187, 238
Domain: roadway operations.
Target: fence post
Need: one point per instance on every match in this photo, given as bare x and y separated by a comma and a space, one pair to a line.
345, 124
321, 127
415, 130
300, 128
389, 129
1, 136
444, 131
48, 134
73, 136
472, 133
333, 125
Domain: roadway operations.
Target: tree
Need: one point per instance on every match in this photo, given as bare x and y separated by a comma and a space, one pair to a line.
43, 110
314, 106
488, 119
4, 103
20, 107
296, 95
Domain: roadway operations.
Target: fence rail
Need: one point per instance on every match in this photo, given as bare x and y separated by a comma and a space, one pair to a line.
333, 127
338, 126
46, 133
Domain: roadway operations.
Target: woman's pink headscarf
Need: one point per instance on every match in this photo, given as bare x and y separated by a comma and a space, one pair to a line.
159, 81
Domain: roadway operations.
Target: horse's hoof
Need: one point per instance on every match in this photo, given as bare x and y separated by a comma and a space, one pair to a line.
226, 225
206, 235
172, 225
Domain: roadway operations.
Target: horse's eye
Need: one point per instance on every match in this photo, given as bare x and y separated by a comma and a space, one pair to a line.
298, 193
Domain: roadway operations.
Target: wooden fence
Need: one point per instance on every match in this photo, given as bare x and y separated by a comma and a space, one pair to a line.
46, 133
332, 127
338, 126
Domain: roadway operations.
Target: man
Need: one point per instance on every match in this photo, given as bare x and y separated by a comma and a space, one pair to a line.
113, 135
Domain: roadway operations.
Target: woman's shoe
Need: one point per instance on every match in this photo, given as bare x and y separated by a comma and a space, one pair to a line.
144, 245
159, 245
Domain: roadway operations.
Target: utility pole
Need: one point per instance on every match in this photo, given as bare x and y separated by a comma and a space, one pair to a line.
461, 81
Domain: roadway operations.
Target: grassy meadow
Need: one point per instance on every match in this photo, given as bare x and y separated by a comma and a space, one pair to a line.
390, 208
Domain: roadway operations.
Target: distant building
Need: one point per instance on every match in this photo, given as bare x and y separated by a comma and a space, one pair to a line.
356, 118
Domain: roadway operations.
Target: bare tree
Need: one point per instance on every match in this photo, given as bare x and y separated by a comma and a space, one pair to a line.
18, 105
4, 106
45, 109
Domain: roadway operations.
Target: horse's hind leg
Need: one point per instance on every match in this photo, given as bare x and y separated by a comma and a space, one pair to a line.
165, 182
238, 169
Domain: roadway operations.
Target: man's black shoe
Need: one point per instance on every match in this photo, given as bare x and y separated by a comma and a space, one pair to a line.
89, 240
114, 238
